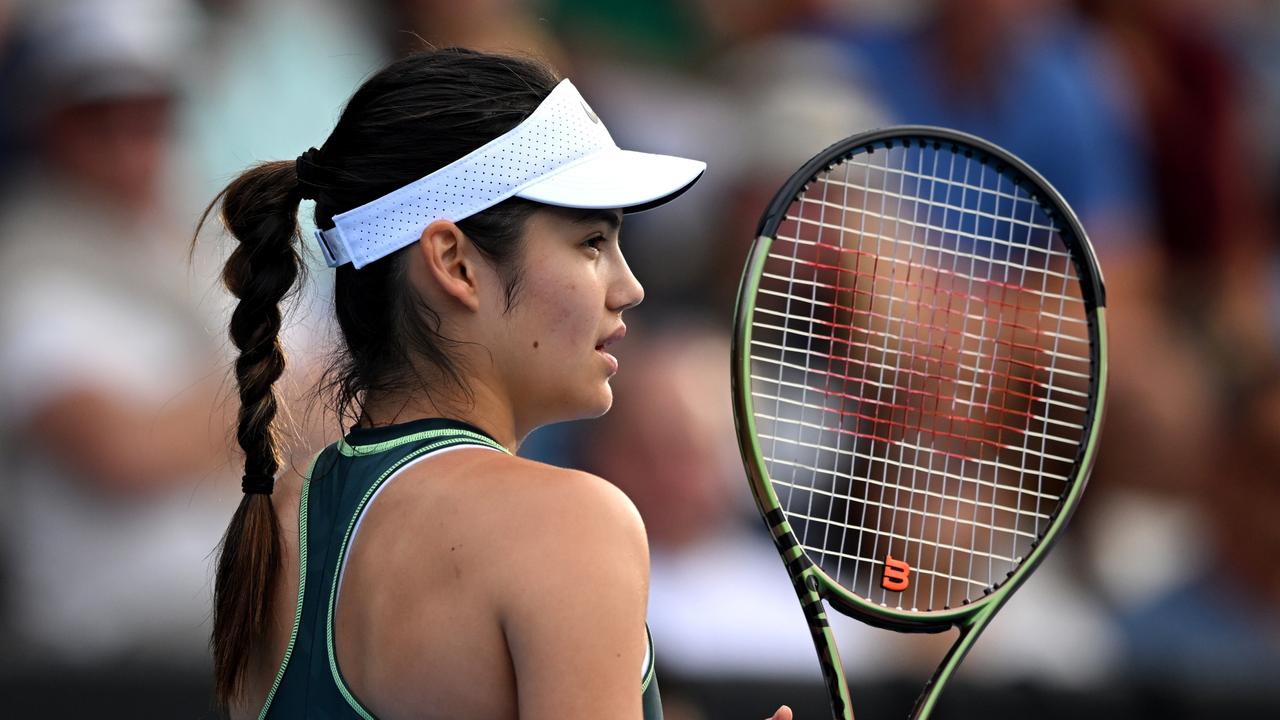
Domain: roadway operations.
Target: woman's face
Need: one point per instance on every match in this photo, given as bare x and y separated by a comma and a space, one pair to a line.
551, 347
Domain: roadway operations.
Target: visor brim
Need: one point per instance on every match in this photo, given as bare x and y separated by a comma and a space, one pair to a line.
626, 179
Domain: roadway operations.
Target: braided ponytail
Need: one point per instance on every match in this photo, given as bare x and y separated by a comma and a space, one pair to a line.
260, 208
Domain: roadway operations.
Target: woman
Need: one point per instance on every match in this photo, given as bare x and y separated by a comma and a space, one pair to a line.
471, 206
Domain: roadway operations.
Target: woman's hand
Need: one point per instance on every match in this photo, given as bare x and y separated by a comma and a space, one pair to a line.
783, 713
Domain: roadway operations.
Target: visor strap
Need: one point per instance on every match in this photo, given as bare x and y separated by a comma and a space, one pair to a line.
331, 245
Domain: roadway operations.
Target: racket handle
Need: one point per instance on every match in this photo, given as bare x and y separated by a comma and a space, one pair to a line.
806, 586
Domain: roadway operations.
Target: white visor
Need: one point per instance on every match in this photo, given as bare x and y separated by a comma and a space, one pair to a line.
560, 155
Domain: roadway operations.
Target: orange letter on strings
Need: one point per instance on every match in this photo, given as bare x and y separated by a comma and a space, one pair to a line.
896, 574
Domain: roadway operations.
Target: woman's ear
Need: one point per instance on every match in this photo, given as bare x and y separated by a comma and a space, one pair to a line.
450, 262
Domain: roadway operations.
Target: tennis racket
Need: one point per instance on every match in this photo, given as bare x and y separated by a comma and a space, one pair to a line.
919, 365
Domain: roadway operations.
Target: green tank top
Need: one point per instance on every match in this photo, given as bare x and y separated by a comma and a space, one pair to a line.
343, 479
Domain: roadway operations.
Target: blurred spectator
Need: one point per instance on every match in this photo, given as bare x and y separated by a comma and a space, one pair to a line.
1029, 77
1033, 78
1209, 185
272, 78
1215, 622
662, 33
1251, 33
497, 26
107, 375
1213, 607
6, 16
795, 94
7, 80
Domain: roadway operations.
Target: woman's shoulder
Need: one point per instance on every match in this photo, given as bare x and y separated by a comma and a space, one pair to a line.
541, 483
521, 504
527, 531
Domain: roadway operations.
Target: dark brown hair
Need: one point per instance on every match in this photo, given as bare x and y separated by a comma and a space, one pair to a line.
415, 116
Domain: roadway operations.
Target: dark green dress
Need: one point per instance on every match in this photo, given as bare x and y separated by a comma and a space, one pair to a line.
342, 481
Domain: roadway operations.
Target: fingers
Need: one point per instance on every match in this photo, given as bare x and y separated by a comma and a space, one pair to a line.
783, 713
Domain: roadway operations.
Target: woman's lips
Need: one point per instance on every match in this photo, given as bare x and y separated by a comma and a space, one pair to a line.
614, 337
611, 360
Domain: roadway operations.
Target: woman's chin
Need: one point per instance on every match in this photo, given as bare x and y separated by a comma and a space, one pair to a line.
603, 401
599, 403
584, 407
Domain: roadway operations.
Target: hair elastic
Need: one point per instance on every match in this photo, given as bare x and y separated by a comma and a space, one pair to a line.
257, 484
305, 168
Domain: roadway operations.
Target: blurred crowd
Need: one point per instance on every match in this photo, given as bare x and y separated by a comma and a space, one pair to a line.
1158, 120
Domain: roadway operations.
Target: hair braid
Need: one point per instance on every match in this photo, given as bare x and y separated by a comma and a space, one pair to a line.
260, 209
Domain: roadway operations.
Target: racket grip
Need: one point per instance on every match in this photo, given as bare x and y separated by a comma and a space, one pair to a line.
806, 585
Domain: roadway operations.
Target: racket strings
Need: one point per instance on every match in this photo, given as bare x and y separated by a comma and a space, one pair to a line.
957, 364
920, 373
934, 289
924, 393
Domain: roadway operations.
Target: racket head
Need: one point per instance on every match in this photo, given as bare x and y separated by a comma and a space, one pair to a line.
870, 233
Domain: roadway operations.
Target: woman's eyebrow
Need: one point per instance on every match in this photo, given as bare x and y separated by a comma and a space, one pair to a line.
612, 218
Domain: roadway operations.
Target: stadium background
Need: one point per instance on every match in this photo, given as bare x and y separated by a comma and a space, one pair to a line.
1159, 120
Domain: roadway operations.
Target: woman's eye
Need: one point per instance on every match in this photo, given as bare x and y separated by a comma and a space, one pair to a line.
595, 242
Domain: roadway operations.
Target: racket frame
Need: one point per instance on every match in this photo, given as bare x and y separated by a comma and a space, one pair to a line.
812, 584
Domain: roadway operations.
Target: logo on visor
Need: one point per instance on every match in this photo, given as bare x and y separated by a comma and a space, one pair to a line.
593, 116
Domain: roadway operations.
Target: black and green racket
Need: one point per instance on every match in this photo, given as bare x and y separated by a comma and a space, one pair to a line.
919, 366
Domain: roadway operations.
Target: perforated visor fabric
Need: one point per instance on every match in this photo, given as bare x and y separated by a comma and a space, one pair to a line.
562, 154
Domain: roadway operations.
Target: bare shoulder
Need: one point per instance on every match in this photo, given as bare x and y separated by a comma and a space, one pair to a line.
555, 560
547, 524
517, 508
549, 503
560, 513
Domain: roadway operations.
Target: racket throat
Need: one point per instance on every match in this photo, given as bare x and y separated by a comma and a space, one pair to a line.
969, 632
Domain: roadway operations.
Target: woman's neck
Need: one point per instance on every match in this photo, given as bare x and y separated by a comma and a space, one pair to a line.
482, 409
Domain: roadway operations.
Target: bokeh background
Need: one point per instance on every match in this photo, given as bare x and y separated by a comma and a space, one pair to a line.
1159, 120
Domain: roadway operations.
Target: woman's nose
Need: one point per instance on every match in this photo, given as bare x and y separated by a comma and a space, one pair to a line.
627, 291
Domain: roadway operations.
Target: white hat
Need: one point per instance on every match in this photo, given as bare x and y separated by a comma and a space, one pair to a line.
83, 51
560, 155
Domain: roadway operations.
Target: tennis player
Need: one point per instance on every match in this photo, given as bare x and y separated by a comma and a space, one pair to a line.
471, 206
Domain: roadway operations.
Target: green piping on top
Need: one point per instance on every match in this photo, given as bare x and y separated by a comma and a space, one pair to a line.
350, 450
302, 586
650, 671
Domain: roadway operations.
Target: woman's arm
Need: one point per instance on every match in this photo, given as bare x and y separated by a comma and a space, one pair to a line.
573, 611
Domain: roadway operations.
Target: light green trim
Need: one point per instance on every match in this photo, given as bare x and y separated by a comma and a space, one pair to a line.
455, 437
358, 450
652, 670
302, 585
762, 489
